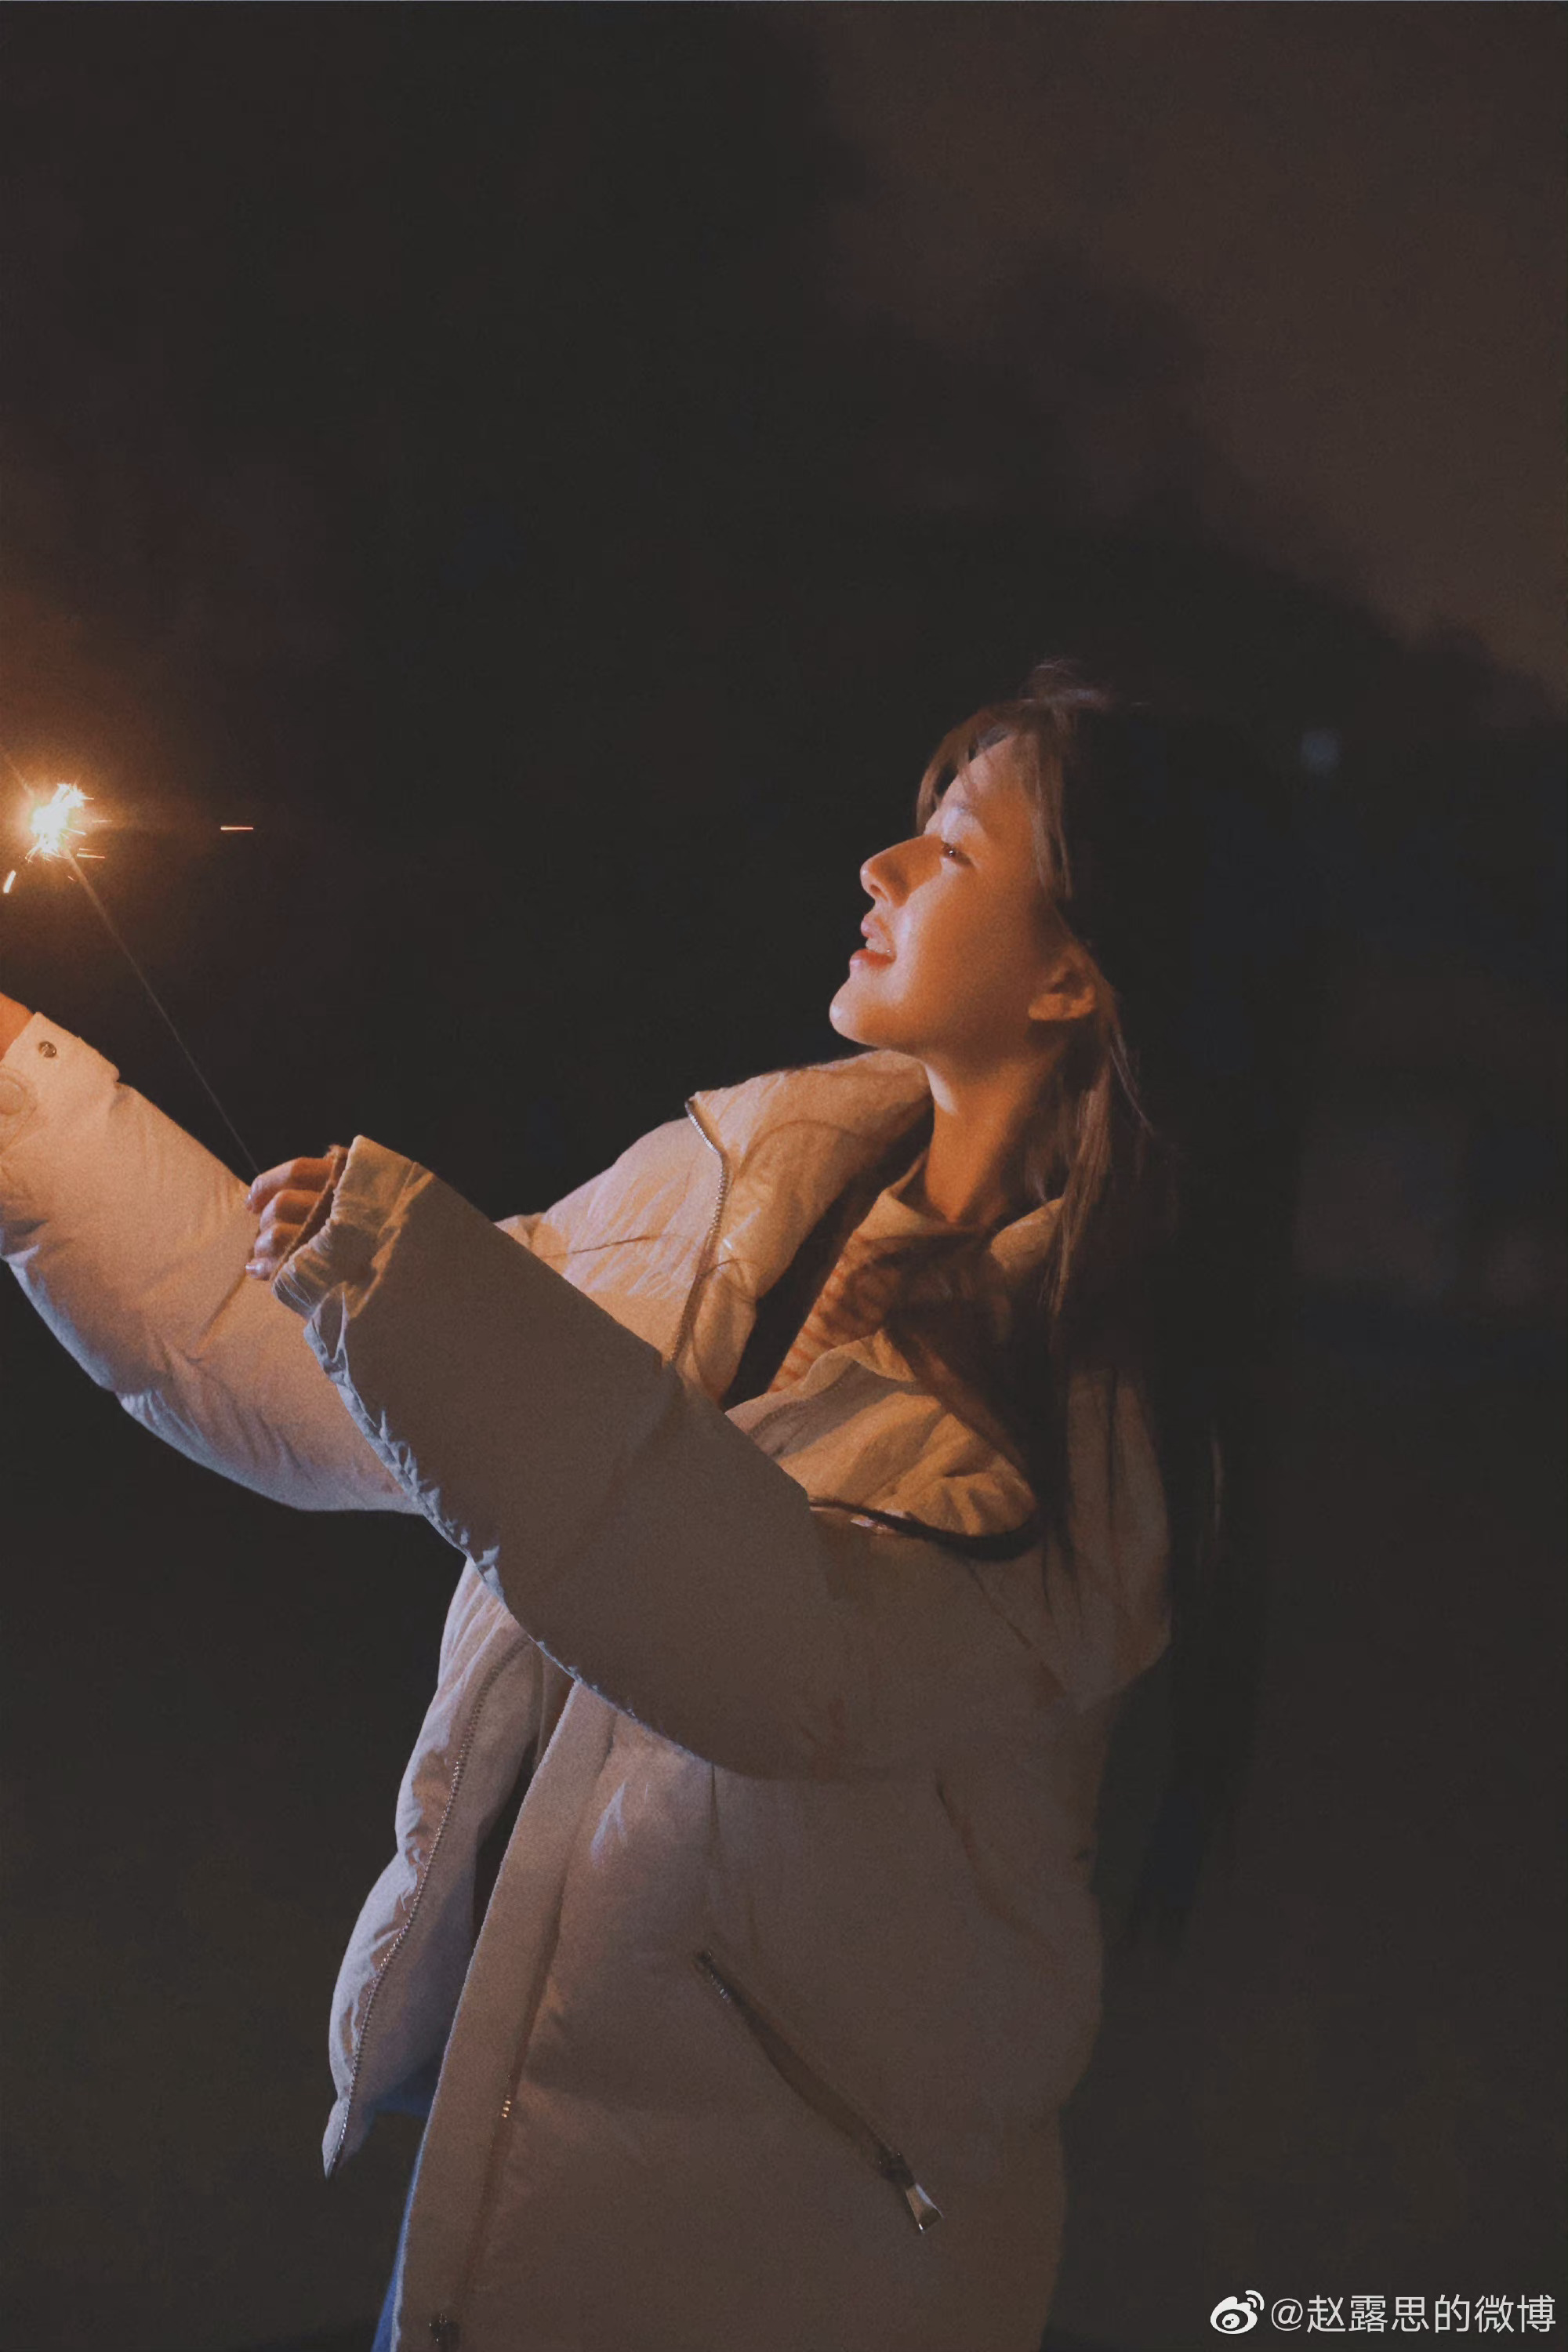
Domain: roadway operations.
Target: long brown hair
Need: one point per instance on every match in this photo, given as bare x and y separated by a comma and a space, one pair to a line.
1165, 1259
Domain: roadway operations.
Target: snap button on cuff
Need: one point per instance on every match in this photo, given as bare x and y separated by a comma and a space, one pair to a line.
47, 1049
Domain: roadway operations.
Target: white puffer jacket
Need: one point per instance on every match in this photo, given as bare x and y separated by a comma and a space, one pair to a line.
793, 1958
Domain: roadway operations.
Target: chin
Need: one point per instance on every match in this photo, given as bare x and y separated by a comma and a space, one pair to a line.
841, 1014
858, 1021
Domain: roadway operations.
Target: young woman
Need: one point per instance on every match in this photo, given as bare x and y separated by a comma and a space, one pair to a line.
825, 1472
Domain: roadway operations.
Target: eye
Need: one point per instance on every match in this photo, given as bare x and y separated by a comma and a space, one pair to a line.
950, 849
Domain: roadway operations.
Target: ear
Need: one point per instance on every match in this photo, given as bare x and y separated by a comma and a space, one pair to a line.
1070, 992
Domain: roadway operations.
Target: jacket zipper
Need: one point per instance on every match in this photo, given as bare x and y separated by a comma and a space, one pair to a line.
803, 2079
689, 1314
396, 1944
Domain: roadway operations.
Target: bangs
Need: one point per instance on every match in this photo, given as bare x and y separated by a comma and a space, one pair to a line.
1040, 737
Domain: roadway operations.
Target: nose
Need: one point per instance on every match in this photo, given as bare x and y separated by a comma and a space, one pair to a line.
879, 875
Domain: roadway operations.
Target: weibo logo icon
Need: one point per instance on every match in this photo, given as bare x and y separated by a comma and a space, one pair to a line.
1237, 2313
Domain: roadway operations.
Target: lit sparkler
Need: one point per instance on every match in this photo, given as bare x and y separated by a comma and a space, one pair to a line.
54, 825
55, 829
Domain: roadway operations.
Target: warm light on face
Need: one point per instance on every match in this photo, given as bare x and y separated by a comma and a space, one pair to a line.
959, 940
53, 825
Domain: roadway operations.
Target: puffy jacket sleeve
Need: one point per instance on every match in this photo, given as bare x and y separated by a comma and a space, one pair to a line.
643, 1540
131, 1241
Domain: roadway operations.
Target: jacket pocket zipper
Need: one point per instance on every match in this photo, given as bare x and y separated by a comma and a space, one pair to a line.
809, 2085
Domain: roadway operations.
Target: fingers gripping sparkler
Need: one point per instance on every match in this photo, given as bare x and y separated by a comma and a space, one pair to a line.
55, 828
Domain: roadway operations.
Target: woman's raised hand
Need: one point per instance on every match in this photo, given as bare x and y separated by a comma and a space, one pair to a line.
294, 1199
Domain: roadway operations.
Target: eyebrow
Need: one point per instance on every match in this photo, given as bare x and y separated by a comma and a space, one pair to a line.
963, 808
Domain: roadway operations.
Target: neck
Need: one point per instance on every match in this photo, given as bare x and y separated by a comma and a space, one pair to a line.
974, 1168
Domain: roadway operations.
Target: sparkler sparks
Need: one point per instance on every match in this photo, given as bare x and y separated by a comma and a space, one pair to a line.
54, 830
54, 825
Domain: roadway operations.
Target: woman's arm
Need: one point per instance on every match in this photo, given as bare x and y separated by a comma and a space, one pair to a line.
643, 1540
130, 1240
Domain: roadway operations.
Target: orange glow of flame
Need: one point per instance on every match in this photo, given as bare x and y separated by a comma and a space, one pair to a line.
54, 824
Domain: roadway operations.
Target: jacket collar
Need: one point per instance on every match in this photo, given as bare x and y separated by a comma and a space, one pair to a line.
792, 1139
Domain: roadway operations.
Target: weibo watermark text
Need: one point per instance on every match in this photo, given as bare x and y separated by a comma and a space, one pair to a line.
1383, 2315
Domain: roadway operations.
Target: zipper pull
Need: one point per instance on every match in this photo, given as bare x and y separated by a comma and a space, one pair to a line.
923, 2209
444, 2332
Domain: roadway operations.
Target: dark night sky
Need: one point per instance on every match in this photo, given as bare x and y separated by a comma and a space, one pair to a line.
1360, 212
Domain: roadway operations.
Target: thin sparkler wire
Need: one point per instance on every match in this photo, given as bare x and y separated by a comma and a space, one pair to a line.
160, 1009
163, 1011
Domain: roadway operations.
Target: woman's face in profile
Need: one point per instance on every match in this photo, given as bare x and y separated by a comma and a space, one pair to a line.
961, 948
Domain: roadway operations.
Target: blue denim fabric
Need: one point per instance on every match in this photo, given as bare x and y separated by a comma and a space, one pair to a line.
384, 2339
